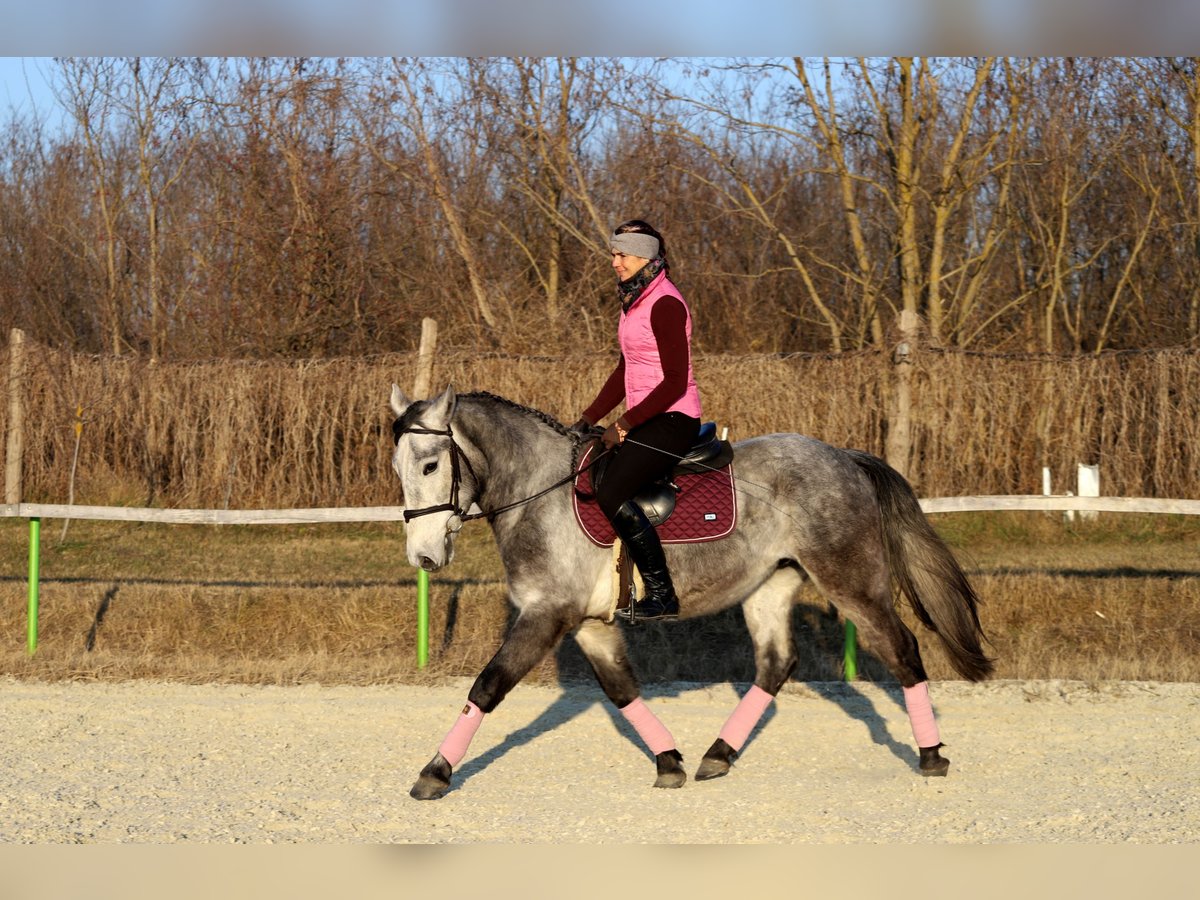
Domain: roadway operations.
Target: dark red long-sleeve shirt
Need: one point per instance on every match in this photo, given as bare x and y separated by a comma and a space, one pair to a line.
668, 322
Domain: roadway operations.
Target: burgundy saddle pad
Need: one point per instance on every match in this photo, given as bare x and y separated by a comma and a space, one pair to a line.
705, 508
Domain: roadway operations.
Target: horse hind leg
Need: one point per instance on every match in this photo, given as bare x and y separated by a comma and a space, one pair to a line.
604, 648
768, 617
881, 628
898, 647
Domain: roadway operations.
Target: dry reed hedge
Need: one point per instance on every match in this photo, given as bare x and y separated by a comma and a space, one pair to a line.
988, 424
316, 433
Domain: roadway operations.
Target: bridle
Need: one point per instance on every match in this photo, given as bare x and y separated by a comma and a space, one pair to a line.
457, 460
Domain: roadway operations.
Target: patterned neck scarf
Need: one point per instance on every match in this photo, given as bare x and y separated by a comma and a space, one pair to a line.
631, 288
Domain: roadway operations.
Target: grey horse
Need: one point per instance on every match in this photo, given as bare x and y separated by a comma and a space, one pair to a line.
842, 518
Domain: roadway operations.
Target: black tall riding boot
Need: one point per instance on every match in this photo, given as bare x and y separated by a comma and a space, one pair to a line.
646, 551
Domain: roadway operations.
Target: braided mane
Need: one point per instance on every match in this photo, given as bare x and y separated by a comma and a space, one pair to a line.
544, 418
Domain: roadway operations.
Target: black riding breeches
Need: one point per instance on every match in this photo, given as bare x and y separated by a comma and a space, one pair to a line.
648, 453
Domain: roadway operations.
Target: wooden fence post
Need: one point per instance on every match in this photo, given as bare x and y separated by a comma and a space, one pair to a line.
1088, 484
15, 448
429, 330
898, 445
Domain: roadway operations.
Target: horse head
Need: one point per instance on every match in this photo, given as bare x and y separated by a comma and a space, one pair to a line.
429, 462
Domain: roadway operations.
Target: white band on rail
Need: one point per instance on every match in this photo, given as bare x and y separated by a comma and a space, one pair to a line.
1038, 502
1027, 502
206, 516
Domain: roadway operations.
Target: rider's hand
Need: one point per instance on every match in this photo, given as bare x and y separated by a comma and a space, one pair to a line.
615, 433
610, 436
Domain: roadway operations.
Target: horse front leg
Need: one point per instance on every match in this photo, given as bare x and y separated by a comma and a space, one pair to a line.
604, 647
768, 617
535, 632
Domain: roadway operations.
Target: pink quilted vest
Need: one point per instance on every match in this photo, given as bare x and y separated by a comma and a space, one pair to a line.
643, 368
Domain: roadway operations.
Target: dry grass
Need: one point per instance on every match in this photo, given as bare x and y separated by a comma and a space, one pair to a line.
1114, 599
242, 434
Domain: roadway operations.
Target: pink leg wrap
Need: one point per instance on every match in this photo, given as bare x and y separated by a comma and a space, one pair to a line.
920, 715
454, 747
648, 727
743, 719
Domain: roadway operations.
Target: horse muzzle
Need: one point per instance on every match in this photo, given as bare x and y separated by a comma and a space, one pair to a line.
434, 553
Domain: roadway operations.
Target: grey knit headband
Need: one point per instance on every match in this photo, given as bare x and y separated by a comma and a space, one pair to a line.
633, 243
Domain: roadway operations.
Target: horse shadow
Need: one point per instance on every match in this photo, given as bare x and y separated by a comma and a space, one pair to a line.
709, 658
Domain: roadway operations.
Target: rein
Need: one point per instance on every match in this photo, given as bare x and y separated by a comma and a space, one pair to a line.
457, 458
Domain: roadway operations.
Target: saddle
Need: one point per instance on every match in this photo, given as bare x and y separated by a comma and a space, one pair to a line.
695, 502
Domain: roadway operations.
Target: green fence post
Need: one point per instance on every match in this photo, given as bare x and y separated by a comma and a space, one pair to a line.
850, 652
35, 543
422, 618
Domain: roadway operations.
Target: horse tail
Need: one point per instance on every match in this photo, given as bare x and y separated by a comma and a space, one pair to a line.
926, 571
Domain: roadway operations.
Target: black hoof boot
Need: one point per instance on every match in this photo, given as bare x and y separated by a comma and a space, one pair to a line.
717, 761
434, 780
670, 770
932, 762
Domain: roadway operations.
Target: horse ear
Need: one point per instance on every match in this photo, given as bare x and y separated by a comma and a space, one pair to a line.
399, 402
441, 408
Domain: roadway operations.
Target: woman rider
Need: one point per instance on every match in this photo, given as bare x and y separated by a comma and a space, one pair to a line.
654, 377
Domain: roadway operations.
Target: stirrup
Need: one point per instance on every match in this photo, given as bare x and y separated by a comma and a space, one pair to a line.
649, 611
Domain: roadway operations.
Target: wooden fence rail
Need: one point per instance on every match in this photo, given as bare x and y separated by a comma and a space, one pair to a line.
205, 516
350, 514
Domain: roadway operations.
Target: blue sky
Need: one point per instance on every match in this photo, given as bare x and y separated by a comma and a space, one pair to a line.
591, 27
435, 27
579, 27
23, 86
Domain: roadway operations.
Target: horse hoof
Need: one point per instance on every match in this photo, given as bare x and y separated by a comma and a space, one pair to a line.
670, 770
717, 761
671, 780
712, 768
933, 764
428, 789
433, 781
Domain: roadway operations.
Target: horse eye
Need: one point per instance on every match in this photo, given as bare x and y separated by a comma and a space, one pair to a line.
429, 469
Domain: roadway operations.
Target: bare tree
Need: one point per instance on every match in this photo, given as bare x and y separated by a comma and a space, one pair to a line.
544, 114
325, 206
1073, 144
985, 294
164, 102
826, 119
297, 220
724, 126
88, 89
906, 144
425, 99
1137, 170
46, 286
1170, 90
965, 163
